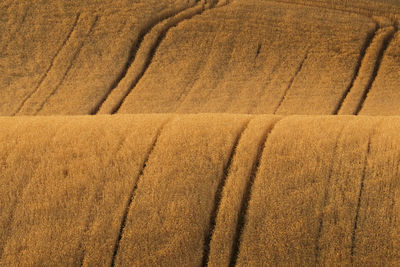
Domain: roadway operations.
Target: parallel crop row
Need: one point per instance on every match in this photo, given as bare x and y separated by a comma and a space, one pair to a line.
217, 190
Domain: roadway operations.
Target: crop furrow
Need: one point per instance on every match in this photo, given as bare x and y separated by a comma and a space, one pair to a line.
50, 66
218, 197
246, 199
115, 97
90, 219
173, 23
74, 57
325, 199
290, 84
133, 54
356, 218
132, 194
378, 63
22, 188
367, 44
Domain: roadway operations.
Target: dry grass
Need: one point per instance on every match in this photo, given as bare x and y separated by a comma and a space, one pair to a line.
383, 97
199, 56
107, 190
64, 186
44, 60
161, 187
311, 198
173, 204
222, 61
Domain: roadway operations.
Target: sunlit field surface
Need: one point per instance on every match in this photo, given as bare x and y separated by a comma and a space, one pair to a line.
200, 133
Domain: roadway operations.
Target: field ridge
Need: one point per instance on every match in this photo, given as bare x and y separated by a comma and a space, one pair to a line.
360, 194
325, 198
246, 199
50, 66
218, 197
103, 107
205, 133
386, 41
290, 83
132, 193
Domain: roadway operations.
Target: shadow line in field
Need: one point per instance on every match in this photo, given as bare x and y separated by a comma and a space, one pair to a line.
385, 45
218, 197
361, 191
133, 55
74, 57
291, 81
327, 186
50, 66
356, 218
133, 193
246, 199
368, 41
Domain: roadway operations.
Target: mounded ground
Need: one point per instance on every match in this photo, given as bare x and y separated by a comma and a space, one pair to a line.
222, 150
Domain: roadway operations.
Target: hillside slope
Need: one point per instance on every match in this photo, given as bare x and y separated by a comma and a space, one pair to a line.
260, 56
188, 190
243, 133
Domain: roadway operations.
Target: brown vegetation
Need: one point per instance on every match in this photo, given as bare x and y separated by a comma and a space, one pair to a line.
242, 183
259, 57
249, 190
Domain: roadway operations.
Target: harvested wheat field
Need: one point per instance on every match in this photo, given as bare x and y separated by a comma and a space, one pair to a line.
200, 133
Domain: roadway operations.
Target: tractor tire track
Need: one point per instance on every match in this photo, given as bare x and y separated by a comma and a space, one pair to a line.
291, 81
218, 197
325, 198
360, 194
73, 59
112, 102
246, 200
366, 71
119, 89
368, 41
50, 66
386, 42
133, 193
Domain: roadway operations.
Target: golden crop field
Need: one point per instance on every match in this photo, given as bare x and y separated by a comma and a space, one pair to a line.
200, 133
